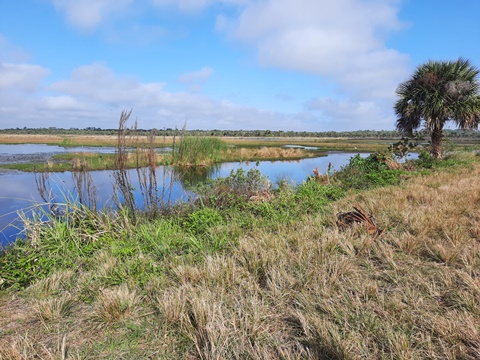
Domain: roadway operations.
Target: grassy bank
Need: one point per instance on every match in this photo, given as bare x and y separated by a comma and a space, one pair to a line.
250, 272
193, 150
163, 141
86, 161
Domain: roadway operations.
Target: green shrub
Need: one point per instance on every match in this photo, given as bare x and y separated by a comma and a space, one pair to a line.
200, 221
372, 171
233, 190
425, 159
313, 196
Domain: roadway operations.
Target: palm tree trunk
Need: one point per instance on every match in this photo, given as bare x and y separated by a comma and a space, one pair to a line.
437, 135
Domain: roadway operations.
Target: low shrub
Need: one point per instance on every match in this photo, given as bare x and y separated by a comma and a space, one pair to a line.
235, 189
199, 221
313, 196
372, 171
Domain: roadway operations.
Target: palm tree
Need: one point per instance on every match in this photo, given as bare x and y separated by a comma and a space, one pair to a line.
437, 92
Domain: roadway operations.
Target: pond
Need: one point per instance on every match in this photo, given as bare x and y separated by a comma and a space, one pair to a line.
19, 191
19, 149
40, 153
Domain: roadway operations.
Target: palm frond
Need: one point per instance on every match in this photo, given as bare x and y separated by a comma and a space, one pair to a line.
359, 216
437, 92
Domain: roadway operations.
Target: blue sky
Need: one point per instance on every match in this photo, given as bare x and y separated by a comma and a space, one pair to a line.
304, 65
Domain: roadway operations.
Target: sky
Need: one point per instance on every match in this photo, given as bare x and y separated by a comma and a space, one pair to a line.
301, 65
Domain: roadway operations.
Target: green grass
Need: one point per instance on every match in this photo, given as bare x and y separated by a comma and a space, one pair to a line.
193, 151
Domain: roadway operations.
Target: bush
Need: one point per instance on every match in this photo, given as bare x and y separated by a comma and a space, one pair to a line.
235, 189
314, 196
200, 221
372, 171
425, 159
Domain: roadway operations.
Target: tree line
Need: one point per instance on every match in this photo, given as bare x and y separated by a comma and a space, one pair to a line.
362, 134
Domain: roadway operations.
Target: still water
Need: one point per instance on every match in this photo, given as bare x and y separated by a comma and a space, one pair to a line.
15, 149
19, 192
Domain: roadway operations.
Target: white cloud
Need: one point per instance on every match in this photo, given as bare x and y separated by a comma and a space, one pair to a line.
194, 5
195, 79
186, 5
342, 40
97, 82
88, 14
62, 102
345, 114
11, 53
196, 76
24, 77
94, 96
15, 73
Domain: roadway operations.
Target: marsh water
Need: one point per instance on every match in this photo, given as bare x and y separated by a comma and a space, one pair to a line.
19, 191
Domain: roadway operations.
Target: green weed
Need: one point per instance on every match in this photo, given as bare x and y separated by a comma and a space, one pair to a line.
372, 171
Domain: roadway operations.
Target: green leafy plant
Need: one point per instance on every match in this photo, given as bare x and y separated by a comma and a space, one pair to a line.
402, 148
369, 172
314, 195
199, 221
236, 188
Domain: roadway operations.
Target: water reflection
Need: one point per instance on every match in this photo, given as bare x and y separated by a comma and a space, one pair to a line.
191, 176
23, 149
18, 190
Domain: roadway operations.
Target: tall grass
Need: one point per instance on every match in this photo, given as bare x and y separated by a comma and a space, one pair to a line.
197, 151
121, 175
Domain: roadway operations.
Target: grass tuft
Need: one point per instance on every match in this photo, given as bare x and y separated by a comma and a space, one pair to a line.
115, 305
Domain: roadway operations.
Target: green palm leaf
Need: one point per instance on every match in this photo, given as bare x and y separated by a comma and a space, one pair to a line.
437, 92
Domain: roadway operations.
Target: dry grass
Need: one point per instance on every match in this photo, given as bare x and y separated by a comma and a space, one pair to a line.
342, 144
114, 305
59, 139
302, 291
269, 153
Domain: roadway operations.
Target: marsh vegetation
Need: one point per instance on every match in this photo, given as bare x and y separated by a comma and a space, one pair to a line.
254, 269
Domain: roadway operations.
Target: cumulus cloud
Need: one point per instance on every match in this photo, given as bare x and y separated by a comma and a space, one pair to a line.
23, 77
15, 73
343, 40
99, 83
94, 96
195, 79
88, 14
11, 53
346, 114
194, 5
62, 102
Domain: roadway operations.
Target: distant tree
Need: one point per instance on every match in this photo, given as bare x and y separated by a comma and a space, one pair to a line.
437, 92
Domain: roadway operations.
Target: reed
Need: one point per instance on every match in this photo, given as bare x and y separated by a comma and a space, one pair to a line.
198, 151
